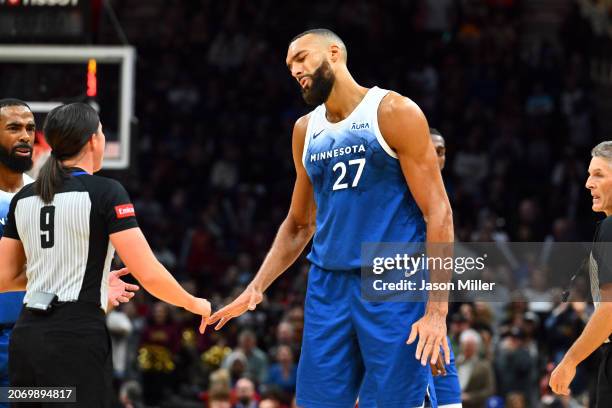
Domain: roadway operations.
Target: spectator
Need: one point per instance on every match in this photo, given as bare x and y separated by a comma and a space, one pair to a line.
538, 294
285, 336
283, 374
438, 15
119, 328
575, 106
219, 387
475, 374
219, 400
516, 368
138, 324
160, 341
563, 326
130, 395
516, 400
245, 394
236, 362
471, 163
269, 403
539, 102
257, 362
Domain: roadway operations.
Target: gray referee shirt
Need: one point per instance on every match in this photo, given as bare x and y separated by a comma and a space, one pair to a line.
66, 242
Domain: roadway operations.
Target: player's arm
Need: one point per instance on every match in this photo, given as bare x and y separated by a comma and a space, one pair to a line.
12, 265
596, 331
405, 129
12, 255
134, 251
292, 237
599, 326
298, 227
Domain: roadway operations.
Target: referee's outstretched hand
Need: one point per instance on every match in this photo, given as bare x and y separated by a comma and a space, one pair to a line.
118, 290
201, 307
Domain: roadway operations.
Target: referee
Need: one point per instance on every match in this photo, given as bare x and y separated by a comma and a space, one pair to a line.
599, 328
66, 226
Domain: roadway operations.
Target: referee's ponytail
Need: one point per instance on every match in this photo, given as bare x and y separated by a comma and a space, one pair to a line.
67, 129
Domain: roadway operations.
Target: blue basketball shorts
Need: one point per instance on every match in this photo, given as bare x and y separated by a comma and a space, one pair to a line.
447, 388
346, 338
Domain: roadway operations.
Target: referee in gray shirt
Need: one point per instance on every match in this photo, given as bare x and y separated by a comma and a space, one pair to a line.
65, 228
597, 332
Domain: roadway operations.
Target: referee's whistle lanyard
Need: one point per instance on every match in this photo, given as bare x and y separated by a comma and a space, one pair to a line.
566, 293
581, 269
78, 173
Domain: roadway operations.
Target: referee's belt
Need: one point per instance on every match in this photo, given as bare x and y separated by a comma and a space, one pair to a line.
6, 326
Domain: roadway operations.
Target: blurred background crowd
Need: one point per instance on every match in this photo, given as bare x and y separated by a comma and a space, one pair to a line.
516, 88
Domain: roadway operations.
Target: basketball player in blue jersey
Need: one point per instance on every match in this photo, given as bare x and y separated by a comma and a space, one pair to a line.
366, 172
16, 140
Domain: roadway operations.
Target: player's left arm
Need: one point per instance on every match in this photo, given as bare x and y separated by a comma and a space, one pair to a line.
405, 128
12, 265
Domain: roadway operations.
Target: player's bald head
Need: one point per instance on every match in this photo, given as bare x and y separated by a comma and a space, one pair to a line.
322, 37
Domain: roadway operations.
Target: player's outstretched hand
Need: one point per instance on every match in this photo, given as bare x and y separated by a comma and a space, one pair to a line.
248, 300
201, 307
118, 290
431, 331
561, 377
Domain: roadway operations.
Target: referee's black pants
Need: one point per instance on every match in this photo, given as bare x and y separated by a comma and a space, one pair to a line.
68, 348
603, 394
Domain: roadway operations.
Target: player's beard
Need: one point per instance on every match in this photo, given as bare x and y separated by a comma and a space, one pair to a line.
18, 164
321, 84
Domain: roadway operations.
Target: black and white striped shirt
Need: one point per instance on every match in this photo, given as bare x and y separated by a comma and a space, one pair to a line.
66, 242
600, 265
600, 262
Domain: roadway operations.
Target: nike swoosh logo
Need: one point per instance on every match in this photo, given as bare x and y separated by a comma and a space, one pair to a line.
317, 134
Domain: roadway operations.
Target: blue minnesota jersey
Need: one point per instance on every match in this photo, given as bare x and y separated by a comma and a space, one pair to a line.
360, 190
10, 303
